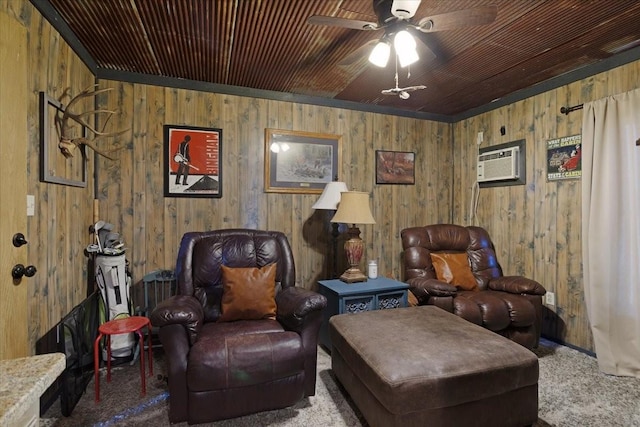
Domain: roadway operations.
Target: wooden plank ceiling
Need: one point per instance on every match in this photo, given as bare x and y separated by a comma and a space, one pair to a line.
268, 45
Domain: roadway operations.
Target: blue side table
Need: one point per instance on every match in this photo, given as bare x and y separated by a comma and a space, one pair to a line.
374, 294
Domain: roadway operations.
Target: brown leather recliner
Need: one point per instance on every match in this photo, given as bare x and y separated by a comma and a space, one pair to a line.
225, 369
508, 305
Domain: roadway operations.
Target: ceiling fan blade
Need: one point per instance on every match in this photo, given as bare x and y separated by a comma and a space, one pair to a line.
461, 18
389, 92
353, 24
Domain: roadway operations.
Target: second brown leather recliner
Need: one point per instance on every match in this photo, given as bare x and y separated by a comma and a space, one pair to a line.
508, 305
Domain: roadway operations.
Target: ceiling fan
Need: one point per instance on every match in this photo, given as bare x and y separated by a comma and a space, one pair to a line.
394, 16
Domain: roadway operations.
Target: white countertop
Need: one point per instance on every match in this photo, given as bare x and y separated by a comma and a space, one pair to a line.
23, 380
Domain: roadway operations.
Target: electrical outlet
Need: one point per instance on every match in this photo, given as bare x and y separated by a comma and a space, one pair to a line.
550, 298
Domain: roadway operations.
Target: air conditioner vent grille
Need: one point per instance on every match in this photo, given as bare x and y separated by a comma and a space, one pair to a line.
499, 165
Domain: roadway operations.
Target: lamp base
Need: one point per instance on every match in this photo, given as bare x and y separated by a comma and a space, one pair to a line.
354, 247
353, 275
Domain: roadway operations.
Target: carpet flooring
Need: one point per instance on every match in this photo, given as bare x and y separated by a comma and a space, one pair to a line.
572, 392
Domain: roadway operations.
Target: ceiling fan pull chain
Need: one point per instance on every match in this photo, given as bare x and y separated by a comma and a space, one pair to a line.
396, 76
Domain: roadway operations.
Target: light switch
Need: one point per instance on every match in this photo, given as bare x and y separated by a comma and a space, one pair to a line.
31, 205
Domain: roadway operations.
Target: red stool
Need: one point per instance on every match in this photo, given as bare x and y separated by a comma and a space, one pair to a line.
122, 326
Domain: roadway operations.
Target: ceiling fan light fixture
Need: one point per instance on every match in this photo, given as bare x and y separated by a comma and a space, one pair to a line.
380, 54
405, 46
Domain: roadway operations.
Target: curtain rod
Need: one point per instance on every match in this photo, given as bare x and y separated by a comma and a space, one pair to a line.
567, 110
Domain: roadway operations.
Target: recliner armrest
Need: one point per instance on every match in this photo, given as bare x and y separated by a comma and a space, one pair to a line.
182, 310
294, 304
423, 288
516, 285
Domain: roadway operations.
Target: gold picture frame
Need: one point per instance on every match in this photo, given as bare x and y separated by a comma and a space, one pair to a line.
300, 162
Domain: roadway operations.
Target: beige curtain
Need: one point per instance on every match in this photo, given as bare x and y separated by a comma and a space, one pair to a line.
611, 229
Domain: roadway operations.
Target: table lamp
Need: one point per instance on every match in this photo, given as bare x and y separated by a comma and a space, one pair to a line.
329, 200
354, 209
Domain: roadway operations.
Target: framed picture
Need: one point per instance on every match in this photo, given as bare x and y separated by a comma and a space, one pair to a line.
395, 167
193, 161
564, 158
299, 162
54, 166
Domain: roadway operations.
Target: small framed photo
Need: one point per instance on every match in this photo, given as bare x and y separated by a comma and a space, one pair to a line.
395, 167
193, 161
299, 162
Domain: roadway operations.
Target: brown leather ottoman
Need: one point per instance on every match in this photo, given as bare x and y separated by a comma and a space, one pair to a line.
422, 366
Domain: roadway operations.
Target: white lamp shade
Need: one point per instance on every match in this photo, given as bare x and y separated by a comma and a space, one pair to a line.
405, 46
354, 209
380, 54
330, 196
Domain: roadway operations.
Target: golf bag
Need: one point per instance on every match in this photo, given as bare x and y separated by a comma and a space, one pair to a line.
114, 283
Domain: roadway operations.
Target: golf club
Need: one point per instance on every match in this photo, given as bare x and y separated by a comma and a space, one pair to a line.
96, 228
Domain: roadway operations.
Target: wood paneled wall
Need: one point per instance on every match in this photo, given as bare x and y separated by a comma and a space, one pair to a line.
58, 233
131, 189
536, 227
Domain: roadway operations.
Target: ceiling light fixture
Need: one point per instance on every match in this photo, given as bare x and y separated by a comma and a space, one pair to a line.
380, 54
405, 47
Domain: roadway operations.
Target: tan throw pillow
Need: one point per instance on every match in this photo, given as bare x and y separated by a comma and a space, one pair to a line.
455, 270
248, 293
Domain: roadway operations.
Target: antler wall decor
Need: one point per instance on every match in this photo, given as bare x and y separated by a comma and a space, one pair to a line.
68, 143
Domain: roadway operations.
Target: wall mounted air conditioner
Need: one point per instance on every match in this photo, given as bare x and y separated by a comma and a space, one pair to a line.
499, 165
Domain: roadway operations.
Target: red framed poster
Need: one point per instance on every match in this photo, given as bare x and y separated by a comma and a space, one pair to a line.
193, 166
